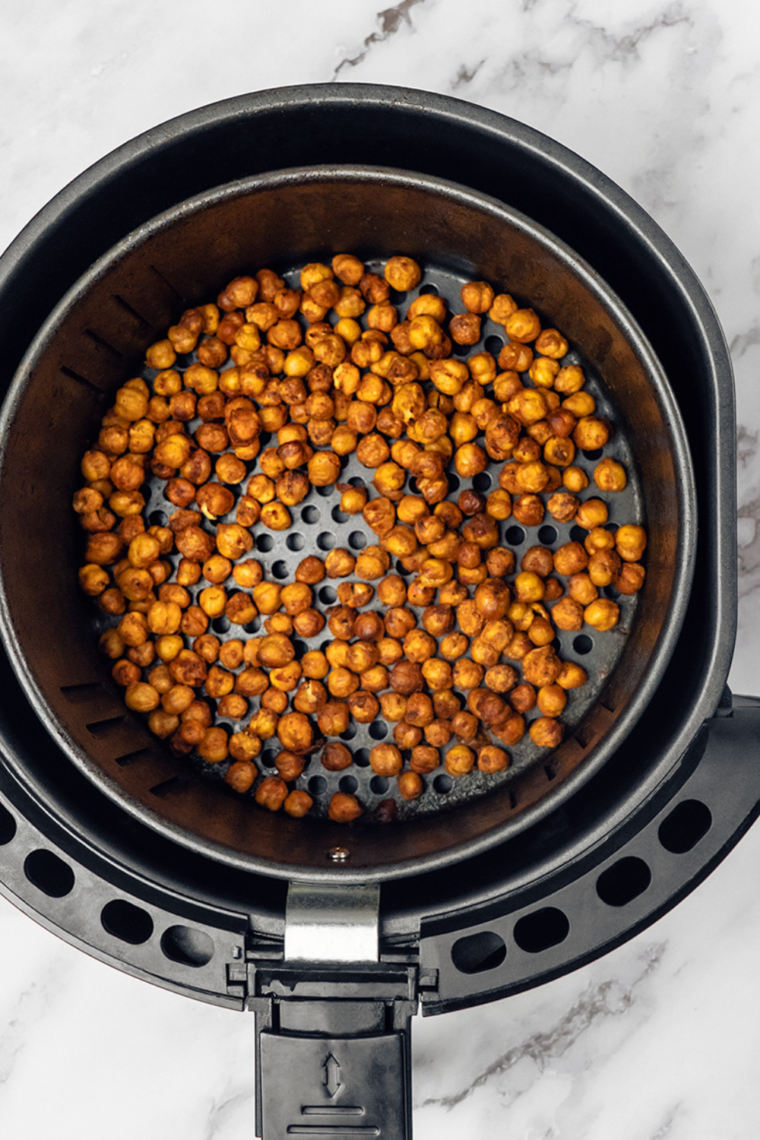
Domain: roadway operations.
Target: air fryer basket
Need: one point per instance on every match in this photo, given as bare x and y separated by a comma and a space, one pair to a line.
97, 338
174, 898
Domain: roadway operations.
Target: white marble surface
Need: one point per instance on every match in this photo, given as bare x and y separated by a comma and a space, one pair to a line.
659, 1039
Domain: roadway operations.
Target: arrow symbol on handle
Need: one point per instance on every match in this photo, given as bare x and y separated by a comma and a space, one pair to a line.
332, 1075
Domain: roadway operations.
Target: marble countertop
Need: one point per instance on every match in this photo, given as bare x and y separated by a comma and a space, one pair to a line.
659, 1039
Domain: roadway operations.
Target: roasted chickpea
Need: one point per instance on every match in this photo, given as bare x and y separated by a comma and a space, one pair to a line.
459, 760
570, 559
630, 542
344, 808
602, 614
385, 759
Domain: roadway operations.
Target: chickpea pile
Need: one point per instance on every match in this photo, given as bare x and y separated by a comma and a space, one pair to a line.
254, 400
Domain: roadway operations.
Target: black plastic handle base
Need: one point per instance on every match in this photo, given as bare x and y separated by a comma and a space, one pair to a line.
333, 1050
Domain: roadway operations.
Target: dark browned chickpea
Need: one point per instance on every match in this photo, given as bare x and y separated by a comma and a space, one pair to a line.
406, 678
288, 766
630, 578
336, 757
298, 803
272, 793
523, 698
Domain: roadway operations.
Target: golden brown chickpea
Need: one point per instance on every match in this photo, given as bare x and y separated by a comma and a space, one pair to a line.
501, 678
298, 803
406, 735
551, 700
630, 542
582, 589
344, 808
546, 732
333, 718
541, 666
141, 697
294, 732
492, 759
348, 268
364, 707
127, 674
492, 599
467, 674
410, 785
362, 655
464, 328
570, 559
459, 760
603, 567
418, 645
385, 760
402, 273
272, 793
568, 614
610, 475
454, 645
602, 614
592, 513
311, 696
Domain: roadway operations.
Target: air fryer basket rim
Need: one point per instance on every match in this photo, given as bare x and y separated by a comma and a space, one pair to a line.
688, 517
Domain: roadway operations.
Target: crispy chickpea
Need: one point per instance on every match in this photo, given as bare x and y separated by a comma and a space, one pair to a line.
406, 678
523, 698
410, 785
630, 542
592, 513
602, 614
141, 697
630, 578
272, 793
294, 732
541, 666
467, 674
344, 808
570, 559
551, 700
493, 759
610, 475
546, 732
402, 273
603, 567
459, 760
385, 759
407, 735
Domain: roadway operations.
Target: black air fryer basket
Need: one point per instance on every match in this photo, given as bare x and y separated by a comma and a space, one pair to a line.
335, 936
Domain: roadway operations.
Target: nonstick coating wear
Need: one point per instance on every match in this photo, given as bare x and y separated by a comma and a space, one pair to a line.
95, 340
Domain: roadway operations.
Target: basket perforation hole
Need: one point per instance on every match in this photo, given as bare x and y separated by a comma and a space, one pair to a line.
348, 784
482, 481
443, 784
430, 288
547, 535
188, 946
327, 595
378, 730
127, 922
624, 881
476, 953
317, 785
515, 535
361, 757
593, 455
379, 785
220, 624
264, 542
46, 871
583, 644
325, 492
338, 515
494, 344
295, 541
280, 570
541, 930
310, 514
683, 828
578, 534
325, 541
357, 540
349, 733
7, 826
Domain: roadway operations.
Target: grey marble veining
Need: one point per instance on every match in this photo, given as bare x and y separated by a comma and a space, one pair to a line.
659, 1039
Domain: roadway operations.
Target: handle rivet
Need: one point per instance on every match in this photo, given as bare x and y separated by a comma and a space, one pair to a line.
338, 854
